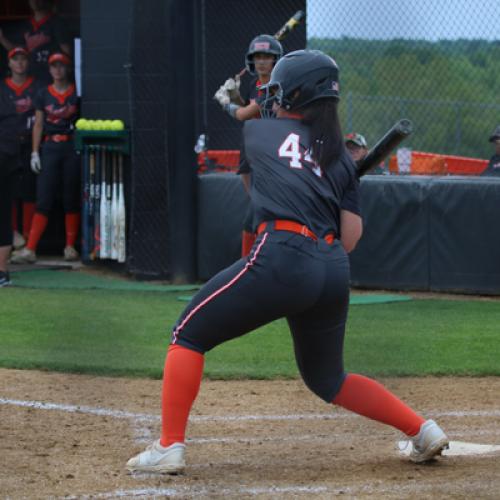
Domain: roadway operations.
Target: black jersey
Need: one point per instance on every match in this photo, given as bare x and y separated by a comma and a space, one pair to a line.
23, 99
60, 109
42, 38
9, 121
287, 183
250, 90
493, 168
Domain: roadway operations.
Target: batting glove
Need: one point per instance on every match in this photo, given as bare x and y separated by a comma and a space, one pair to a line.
35, 163
222, 96
232, 85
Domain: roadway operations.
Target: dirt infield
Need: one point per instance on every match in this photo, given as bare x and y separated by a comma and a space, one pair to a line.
69, 436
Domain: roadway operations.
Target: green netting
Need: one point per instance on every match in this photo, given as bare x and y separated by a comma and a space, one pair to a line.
79, 280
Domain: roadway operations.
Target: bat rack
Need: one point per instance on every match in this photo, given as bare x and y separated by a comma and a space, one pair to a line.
103, 222
118, 139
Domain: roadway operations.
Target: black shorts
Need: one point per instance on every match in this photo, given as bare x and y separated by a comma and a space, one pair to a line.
285, 275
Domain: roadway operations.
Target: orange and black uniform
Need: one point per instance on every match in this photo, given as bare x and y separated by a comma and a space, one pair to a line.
297, 267
252, 93
58, 157
23, 97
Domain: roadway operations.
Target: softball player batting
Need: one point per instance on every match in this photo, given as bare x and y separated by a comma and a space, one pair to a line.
306, 200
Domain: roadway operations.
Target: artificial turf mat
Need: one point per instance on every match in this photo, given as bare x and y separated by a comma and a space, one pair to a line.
63, 279
355, 299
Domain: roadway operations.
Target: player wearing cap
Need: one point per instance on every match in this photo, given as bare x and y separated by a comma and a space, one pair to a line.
305, 196
356, 145
56, 161
263, 53
42, 34
493, 168
21, 90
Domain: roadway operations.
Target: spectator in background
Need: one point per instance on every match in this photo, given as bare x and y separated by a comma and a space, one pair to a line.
493, 168
57, 164
20, 89
356, 145
358, 148
42, 35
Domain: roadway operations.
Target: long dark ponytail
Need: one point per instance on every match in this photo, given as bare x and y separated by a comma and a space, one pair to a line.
326, 134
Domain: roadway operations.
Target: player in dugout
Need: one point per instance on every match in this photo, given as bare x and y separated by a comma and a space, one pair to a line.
305, 196
54, 159
42, 34
21, 89
263, 53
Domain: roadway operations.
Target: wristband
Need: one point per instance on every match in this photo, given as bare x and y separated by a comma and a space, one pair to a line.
231, 109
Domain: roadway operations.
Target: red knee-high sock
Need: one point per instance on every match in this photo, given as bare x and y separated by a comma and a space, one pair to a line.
37, 228
28, 213
247, 241
15, 225
181, 382
72, 223
367, 397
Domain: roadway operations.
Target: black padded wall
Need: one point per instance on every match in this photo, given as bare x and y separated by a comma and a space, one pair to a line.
464, 234
393, 251
222, 204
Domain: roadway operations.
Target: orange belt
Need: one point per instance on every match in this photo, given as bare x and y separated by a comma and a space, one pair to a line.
57, 138
293, 227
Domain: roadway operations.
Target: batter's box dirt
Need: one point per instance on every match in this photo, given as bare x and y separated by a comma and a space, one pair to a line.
69, 436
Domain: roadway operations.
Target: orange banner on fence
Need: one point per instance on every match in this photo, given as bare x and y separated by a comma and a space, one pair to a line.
434, 164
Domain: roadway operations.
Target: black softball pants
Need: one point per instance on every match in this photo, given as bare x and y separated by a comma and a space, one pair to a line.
25, 180
60, 175
7, 173
285, 275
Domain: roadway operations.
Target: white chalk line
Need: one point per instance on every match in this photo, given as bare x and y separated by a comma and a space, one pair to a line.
145, 417
405, 486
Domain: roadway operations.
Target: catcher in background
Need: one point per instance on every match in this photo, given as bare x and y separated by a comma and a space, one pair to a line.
263, 53
56, 162
305, 194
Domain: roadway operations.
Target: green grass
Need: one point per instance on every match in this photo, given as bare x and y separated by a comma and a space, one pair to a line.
127, 333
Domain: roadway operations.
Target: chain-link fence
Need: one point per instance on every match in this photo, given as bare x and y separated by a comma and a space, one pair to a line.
434, 62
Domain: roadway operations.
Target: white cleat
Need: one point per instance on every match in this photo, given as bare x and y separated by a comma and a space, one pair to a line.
428, 443
23, 256
18, 240
70, 254
156, 458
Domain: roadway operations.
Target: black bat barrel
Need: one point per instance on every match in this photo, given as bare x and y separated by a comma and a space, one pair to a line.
400, 131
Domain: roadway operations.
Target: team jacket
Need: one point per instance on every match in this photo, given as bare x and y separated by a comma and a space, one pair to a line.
60, 110
286, 182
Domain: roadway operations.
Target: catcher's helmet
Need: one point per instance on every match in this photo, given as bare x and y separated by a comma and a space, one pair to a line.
301, 77
262, 44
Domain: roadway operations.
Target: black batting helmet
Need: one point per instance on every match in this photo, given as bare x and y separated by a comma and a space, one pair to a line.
303, 76
263, 44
